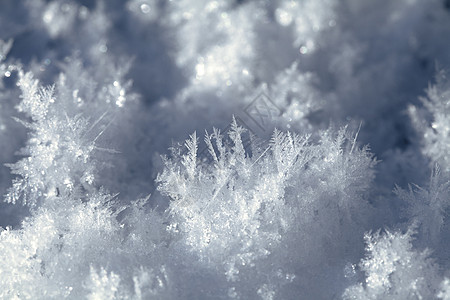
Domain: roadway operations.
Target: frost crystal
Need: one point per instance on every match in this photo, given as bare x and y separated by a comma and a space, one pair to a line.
238, 210
427, 207
102, 286
58, 151
394, 270
433, 122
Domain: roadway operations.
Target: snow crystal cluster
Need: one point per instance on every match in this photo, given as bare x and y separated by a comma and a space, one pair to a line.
212, 149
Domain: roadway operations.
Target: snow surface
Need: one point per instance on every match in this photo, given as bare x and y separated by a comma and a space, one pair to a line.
198, 149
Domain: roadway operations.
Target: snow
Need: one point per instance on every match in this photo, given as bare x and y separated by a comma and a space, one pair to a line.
216, 149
